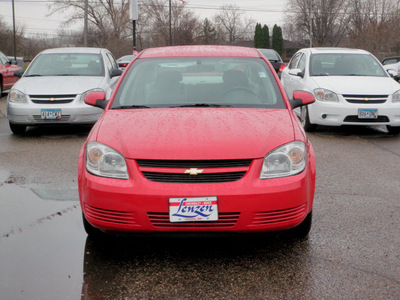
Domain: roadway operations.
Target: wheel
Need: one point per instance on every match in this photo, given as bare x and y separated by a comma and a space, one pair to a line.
90, 230
18, 129
305, 120
302, 230
393, 130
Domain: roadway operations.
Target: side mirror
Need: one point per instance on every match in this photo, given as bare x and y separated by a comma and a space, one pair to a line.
116, 72
392, 73
296, 72
97, 99
301, 98
19, 73
14, 62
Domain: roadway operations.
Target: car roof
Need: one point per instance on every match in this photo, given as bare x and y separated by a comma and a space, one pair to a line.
74, 50
200, 50
336, 50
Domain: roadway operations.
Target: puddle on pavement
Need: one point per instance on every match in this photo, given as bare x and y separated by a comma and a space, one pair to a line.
26, 207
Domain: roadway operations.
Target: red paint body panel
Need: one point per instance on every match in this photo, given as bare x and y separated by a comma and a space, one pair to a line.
248, 204
195, 133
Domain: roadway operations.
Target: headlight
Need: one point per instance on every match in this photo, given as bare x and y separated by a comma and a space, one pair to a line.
325, 95
16, 96
104, 161
287, 160
82, 99
396, 97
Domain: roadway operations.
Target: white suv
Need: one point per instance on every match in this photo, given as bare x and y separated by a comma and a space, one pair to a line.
350, 87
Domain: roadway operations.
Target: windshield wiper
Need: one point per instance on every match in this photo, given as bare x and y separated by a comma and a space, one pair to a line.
33, 75
130, 107
202, 105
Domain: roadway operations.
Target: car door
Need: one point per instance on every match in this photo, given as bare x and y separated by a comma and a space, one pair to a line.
286, 77
7, 70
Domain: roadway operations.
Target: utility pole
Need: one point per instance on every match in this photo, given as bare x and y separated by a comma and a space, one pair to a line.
15, 42
134, 15
170, 24
85, 25
311, 17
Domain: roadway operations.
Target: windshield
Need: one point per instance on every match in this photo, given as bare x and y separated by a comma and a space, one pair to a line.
198, 81
270, 54
71, 64
345, 65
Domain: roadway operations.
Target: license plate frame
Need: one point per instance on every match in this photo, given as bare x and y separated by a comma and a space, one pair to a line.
193, 209
50, 114
370, 113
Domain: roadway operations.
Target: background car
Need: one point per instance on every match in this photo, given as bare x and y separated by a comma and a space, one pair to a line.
7, 69
350, 87
52, 89
19, 59
274, 58
197, 139
392, 63
124, 61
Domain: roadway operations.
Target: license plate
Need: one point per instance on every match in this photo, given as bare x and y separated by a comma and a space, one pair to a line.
367, 113
195, 209
51, 114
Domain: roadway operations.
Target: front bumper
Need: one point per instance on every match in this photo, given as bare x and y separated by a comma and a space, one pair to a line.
344, 113
71, 113
247, 205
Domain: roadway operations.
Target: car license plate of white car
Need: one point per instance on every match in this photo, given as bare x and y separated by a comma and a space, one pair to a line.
367, 113
193, 209
51, 114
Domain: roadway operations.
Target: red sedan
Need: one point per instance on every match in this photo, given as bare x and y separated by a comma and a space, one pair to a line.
197, 139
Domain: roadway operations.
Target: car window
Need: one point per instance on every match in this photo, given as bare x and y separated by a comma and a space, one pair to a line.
201, 81
66, 64
390, 61
112, 64
3, 58
345, 64
295, 59
302, 63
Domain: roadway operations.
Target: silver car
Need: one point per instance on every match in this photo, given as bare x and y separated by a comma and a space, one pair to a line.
52, 89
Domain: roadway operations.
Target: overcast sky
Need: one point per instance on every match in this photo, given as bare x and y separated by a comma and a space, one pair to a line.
33, 14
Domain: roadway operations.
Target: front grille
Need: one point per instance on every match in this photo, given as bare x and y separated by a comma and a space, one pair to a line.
269, 217
201, 178
52, 99
38, 118
366, 99
355, 119
225, 220
110, 216
211, 171
184, 164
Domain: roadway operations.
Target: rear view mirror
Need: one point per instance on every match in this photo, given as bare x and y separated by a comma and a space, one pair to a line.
97, 99
301, 98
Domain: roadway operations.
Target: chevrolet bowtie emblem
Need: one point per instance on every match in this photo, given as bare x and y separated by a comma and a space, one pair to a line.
193, 171
52, 99
366, 99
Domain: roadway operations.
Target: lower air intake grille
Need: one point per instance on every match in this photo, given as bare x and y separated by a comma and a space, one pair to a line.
162, 220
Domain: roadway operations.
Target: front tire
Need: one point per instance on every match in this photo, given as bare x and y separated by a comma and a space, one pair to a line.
91, 231
305, 120
393, 130
18, 129
302, 230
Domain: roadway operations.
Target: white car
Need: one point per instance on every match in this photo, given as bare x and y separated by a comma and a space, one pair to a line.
392, 63
52, 90
350, 87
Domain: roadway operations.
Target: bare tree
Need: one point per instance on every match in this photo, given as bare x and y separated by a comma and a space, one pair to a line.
154, 24
109, 23
375, 25
326, 19
232, 26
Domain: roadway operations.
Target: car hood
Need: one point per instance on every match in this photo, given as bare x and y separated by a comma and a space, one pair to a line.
49, 85
362, 85
195, 133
